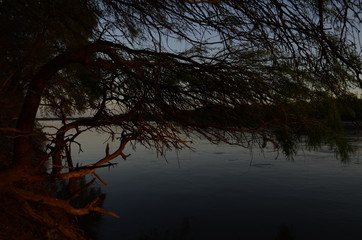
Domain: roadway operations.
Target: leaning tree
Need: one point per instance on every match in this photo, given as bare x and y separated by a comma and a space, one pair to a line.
250, 73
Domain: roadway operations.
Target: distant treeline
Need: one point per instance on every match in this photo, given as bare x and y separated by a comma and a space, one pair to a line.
346, 109
58, 119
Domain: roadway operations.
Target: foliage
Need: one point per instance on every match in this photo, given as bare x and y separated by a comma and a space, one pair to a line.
241, 72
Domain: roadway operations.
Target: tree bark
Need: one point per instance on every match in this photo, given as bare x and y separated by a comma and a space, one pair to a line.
26, 119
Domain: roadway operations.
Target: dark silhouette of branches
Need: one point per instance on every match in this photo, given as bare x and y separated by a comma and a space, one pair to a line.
158, 73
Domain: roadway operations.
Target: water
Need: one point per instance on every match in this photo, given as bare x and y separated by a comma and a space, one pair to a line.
226, 192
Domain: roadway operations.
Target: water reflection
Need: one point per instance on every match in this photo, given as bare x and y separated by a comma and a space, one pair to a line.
88, 224
285, 233
185, 232
316, 194
226, 192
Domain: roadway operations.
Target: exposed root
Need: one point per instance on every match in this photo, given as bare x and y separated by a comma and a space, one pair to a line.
62, 204
52, 223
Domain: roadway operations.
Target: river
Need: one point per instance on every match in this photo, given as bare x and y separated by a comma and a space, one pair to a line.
227, 192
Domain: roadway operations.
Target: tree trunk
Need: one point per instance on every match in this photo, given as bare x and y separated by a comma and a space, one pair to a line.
25, 123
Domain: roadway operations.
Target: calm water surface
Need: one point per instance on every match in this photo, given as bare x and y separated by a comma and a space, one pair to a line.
226, 192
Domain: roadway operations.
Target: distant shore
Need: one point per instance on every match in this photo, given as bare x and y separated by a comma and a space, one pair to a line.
58, 119
346, 124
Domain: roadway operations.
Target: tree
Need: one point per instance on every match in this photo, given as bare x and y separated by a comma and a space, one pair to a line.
241, 72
